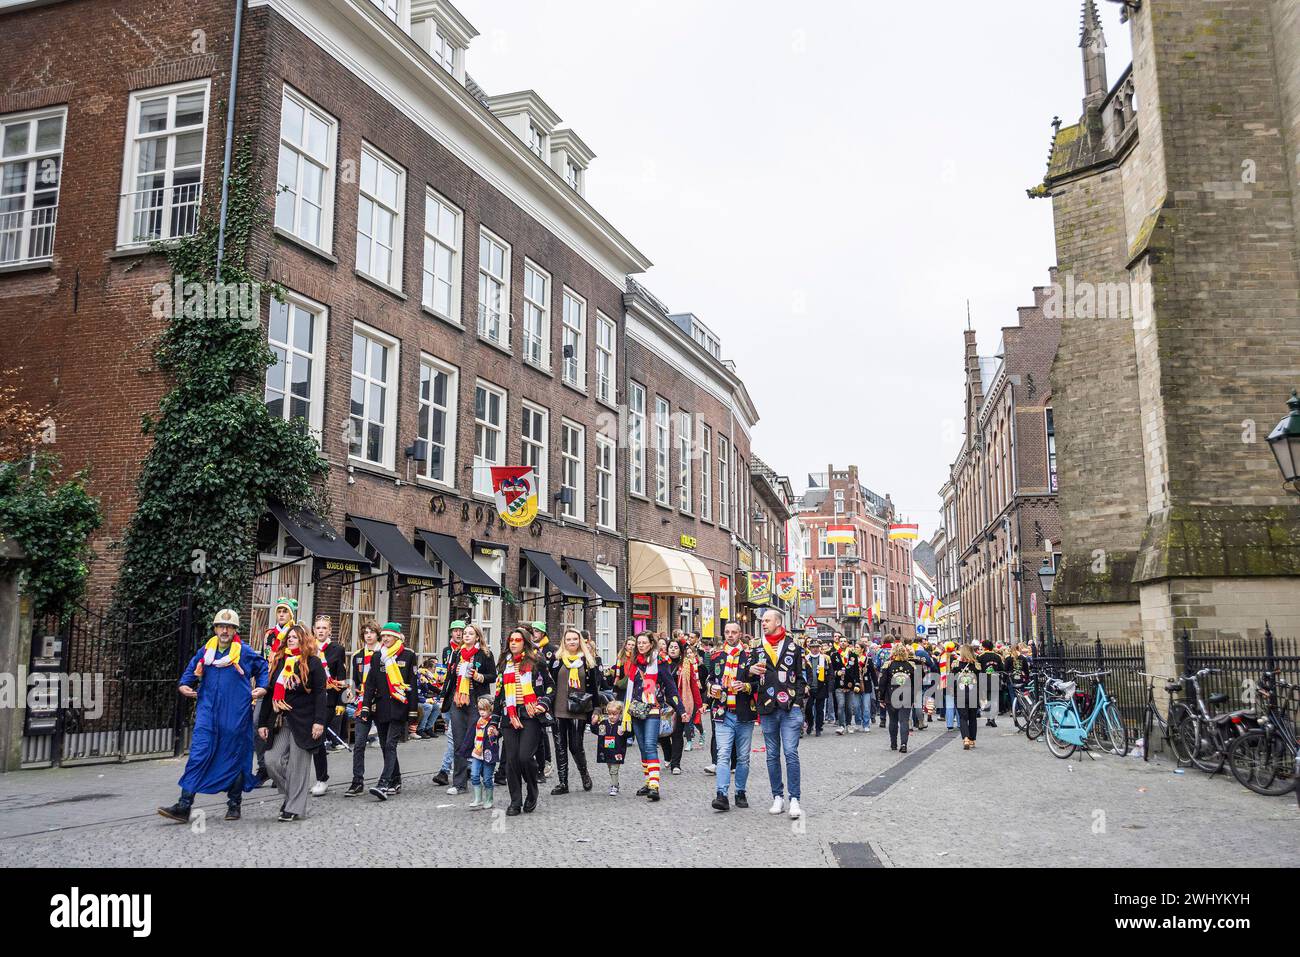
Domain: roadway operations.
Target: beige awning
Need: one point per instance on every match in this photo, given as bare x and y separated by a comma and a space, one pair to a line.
656, 570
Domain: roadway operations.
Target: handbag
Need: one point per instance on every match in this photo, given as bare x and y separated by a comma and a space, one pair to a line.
581, 702
640, 710
667, 723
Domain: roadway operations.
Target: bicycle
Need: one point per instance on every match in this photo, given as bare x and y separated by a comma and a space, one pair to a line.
1067, 730
1036, 718
1206, 736
1151, 719
1262, 759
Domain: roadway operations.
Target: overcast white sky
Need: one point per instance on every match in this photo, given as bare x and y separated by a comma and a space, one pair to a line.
825, 185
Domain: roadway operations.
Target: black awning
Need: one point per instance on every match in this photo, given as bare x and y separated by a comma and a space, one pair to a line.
554, 574
330, 549
458, 562
589, 576
403, 560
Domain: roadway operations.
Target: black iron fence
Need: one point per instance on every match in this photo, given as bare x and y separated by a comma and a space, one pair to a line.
107, 687
1240, 661
1124, 684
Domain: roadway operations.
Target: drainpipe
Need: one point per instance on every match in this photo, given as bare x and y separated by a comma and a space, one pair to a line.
230, 133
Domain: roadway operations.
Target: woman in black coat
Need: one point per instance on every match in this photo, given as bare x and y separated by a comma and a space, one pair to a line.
575, 675
524, 697
292, 719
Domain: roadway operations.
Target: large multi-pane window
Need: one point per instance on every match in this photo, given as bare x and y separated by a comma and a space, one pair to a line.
437, 427
295, 381
573, 449
605, 358
493, 288
440, 290
372, 411
426, 618
537, 316
684, 461
534, 441
661, 425
826, 589
489, 434
379, 217
706, 472
636, 438
31, 168
847, 591
827, 547
361, 596
304, 200
163, 180
724, 501
280, 572
606, 510
575, 340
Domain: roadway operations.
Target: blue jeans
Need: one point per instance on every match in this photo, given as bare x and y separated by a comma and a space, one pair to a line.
480, 773
848, 704
781, 735
647, 737
866, 707
733, 732
427, 716
450, 753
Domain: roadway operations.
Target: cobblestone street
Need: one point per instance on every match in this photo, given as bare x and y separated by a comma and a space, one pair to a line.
1010, 802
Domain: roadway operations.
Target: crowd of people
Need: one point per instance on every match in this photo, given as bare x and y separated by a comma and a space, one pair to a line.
522, 713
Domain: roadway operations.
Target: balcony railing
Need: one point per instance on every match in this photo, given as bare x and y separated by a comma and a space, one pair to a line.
494, 326
163, 212
534, 350
27, 235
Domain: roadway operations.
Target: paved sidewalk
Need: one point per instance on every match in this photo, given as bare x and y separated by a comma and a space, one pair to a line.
1008, 802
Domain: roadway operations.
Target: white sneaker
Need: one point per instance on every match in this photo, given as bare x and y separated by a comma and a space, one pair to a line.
677, 770
710, 769
839, 730
850, 729
319, 788
795, 812
778, 805
453, 790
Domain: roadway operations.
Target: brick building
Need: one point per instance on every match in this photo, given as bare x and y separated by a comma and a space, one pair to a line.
848, 578
452, 302
946, 555
1002, 519
689, 421
1176, 199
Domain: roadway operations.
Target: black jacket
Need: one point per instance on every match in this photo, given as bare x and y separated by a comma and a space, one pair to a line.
483, 664
359, 668
591, 681
383, 707
543, 687
309, 707
783, 686
717, 664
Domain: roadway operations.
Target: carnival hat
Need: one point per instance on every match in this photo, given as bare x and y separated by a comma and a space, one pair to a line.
394, 629
458, 623
539, 626
290, 603
227, 616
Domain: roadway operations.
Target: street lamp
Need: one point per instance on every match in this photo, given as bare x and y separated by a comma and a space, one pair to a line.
1285, 443
1047, 578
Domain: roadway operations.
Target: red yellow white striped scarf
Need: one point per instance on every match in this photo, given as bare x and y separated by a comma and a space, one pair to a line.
210, 655
288, 676
480, 731
397, 688
649, 682
281, 631
730, 670
464, 671
518, 686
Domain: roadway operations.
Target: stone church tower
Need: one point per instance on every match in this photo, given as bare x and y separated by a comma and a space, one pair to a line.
1176, 199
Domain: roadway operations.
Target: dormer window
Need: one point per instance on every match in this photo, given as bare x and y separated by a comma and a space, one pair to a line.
390, 8
536, 141
441, 30
444, 52
573, 175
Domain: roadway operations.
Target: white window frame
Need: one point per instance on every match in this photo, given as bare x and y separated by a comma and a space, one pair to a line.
31, 226
606, 482
434, 364
573, 175
662, 424
573, 319
444, 52
316, 386
724, 463
536, 343
848, 588
190, 193
806, 539
706, 473
826, 549
325, 243
389, 422
434, 241
391, 9
685, 501
536, 141
486, 278
825, 577
575, 464
636, 434
482, 465
393, 278
606, 357
542, 447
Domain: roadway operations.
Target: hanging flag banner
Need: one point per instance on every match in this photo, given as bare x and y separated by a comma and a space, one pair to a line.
706, 618
786, 586
760, 588
838, 535
515, 488
724, 597
905, 532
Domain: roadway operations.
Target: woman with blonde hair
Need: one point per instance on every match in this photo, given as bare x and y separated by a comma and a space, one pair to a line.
292, 718
577, 692
896, 693
965, 676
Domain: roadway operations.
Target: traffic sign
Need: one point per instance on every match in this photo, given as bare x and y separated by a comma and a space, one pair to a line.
920, 629
810, 622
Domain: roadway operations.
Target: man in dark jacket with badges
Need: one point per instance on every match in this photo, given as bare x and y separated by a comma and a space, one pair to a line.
779, 672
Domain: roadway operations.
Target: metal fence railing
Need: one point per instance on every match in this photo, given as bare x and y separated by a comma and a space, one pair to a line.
1123, 660
1240, 662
